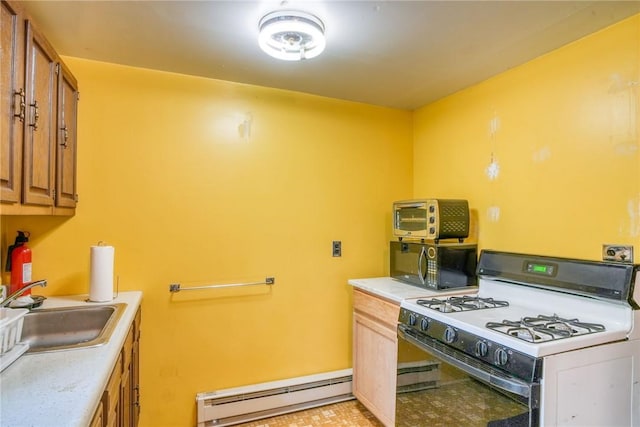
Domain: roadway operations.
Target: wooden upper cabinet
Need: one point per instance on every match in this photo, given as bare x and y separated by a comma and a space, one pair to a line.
40, 122
66, 195
12, 102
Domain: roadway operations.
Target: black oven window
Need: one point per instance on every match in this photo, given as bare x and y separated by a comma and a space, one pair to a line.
433, 393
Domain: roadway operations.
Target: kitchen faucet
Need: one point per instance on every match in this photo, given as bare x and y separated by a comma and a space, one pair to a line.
22, 290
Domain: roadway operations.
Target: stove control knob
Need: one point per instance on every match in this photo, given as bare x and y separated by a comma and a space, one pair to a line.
412, 319
482, 349
424, 324
501, 357
450, 335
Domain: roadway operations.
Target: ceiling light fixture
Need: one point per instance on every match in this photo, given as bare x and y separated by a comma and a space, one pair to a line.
291, 35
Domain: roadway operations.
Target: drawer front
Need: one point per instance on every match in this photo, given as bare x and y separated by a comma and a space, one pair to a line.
113, 388
382, 310
98, 417
136, 325
127, 350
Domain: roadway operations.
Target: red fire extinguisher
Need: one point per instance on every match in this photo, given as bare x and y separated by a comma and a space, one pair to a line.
19, 262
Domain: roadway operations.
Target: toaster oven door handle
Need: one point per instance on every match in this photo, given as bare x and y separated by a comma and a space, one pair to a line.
503, 382
421, 258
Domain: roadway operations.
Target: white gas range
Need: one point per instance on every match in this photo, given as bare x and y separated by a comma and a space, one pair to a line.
560, 336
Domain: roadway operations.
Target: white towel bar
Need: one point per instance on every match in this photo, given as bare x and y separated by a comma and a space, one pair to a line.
175, 287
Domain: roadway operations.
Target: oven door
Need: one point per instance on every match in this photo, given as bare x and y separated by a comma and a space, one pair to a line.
438, 386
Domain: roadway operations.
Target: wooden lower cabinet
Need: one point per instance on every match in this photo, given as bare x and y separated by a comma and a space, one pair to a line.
375, 348
135, 371
111, 397
126, 402
98, 417
120, 406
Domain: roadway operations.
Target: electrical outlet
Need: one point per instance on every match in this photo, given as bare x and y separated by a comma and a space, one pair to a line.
337, 248
617, 253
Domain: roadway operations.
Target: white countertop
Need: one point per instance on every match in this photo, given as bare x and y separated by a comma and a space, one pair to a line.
63, 387
397, 291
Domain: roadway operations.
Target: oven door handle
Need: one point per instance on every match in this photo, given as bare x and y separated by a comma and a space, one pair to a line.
506, 383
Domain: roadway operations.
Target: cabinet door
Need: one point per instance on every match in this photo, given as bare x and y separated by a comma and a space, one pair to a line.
135, 370
126, 402
40, 121
66, 195
375, 349
126, 387
135, 377
12, 102
98, 417
111, 397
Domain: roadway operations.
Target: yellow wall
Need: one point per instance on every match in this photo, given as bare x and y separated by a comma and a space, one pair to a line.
168, 178
566, 141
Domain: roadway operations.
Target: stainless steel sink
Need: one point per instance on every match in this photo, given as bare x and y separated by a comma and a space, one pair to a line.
67, 328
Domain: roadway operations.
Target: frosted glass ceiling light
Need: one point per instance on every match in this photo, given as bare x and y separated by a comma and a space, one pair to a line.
291, 35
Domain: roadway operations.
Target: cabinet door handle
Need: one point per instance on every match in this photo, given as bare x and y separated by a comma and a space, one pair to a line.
137, 402
65, 137
36, 115
21, 109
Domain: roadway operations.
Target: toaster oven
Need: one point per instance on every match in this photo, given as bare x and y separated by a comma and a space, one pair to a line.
431, 219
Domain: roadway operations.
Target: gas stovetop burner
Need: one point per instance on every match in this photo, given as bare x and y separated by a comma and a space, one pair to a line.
461, 303
544, 328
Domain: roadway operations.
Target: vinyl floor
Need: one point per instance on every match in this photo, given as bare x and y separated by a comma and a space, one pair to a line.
474, 407
350, 413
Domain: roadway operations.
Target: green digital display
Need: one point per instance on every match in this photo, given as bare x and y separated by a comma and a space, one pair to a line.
544, 269
539, 268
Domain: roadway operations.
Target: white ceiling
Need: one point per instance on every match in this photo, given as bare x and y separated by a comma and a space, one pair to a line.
401, 54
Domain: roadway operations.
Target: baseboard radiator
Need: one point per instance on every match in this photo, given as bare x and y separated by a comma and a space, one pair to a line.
243, 404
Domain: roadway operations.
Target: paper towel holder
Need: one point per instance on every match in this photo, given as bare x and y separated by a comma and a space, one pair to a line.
114, 296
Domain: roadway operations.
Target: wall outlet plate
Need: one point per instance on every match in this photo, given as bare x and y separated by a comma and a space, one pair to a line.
617, 253
337, 248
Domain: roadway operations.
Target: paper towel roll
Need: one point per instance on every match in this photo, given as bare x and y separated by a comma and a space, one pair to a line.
101, 274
